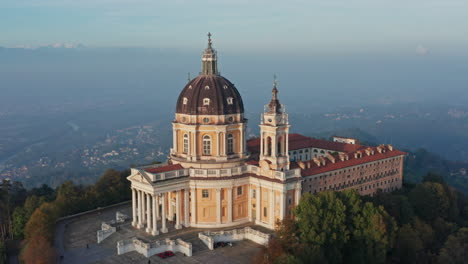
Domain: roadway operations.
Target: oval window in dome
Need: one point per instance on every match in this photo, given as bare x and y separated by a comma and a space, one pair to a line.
229, 100
207, 87
185, 100
225, 86
206, 101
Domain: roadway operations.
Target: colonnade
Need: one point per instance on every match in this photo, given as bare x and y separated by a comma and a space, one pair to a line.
149, 208
274, 145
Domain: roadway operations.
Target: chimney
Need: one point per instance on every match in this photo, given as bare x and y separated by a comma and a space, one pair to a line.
390, 147
330, 157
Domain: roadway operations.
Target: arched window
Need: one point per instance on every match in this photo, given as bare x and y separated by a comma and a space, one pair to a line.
206, 101
186, 143
230, 143
206, 145
268, 145
279, 150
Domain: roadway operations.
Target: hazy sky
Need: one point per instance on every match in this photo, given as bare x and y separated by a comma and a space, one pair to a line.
241, 25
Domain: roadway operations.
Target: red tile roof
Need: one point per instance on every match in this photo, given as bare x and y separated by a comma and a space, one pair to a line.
352, 161
164, 168
298, 141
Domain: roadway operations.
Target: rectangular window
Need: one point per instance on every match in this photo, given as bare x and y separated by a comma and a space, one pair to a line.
205, 194
239, 190
253, 193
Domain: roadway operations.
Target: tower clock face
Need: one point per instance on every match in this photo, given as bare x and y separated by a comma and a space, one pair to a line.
279, 119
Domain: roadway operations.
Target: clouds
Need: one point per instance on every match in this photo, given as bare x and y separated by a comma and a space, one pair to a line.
300, 25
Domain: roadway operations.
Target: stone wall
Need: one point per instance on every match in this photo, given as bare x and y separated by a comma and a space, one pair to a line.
209, 238
108, 228
155, 247
105, 232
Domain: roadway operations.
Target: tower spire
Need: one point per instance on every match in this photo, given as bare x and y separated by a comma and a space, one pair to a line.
274, 91
274, 106
210, 59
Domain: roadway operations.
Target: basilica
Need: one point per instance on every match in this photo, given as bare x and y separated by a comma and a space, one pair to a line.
216, 177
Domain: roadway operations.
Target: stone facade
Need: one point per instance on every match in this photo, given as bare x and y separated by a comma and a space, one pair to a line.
214, 177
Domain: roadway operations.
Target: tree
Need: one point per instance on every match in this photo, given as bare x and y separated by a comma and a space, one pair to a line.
337, 226
321, 221
3, 256
19, 221
455, 249
38, 251
429, 200
433, 177
41, 223
408, 245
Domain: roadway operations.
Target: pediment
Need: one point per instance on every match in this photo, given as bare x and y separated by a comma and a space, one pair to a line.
140, 176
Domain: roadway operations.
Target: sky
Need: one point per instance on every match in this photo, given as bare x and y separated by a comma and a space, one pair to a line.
308, 26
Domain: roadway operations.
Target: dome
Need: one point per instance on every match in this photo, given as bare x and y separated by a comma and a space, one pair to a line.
209, 93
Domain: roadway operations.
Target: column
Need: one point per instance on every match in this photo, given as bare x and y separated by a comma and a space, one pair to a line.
297, 193
259, 204
282, 205
262, 138
163, 217
194, 146
218, 206
155, 232
229, 206
177, 225
134, 208
272, 208
249, 201
174, 140
194, 205
140, 210
148, 213
189, 151
218, 135
186, 208
274, 144
169, 203
287, 142
158, 216
143, 208
241, 141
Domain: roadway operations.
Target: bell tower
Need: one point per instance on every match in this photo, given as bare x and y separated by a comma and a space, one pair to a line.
274, 134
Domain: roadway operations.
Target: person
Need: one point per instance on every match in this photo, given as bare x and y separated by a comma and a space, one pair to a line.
149, 261
87, 246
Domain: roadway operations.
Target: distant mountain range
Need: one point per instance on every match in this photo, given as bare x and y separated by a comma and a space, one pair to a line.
57, 45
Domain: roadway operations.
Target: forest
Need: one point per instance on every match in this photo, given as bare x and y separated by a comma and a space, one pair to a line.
30, 215
421, 223
424, 222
